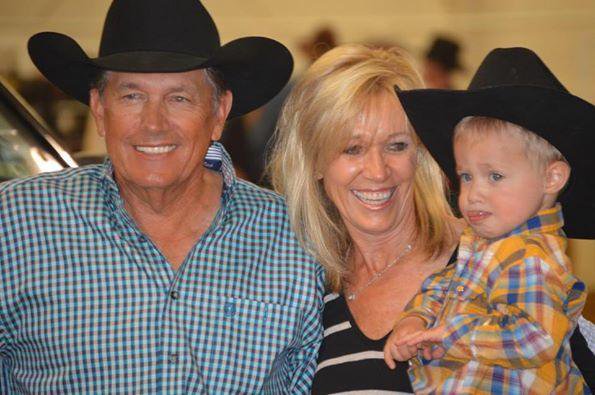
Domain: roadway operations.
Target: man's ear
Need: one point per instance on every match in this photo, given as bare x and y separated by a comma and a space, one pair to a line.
97, 110
221, 113
556, 176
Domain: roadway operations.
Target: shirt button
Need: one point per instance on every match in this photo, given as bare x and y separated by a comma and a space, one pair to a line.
174, 295
229, 309
173, 358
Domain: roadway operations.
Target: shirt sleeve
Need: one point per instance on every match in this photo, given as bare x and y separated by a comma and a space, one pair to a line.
428, 302
527, 323
303, 361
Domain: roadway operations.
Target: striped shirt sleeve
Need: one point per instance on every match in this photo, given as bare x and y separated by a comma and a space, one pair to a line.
528, 321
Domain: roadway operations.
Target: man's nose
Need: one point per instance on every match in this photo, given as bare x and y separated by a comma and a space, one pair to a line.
155, 116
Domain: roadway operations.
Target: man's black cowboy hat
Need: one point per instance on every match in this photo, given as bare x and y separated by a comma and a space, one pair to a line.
514, 85
158, 36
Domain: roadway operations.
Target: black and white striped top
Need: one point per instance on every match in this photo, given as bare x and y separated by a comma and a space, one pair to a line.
351, 363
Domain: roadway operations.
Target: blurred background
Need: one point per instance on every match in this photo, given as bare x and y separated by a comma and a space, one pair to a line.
448, 38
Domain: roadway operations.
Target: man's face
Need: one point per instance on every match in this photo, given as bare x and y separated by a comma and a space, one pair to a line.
158, 127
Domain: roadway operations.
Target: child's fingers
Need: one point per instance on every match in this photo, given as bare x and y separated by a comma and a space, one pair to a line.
438, 352
426, 336
405, 340
427, 351
388, 356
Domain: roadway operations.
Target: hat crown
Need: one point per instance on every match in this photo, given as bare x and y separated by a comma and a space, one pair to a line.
182, 26
514, 67
444, 52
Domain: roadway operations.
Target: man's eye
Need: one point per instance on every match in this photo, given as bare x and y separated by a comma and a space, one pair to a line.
496, 176
131, 96
181, 99
353, 150
464, 177
398, 146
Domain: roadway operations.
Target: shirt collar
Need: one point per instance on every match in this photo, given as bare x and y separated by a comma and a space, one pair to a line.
219, 160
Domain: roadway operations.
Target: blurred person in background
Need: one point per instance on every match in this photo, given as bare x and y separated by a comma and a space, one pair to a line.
441, 61
262, 127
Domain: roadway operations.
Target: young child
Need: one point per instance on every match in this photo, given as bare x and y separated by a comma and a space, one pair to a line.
500, 319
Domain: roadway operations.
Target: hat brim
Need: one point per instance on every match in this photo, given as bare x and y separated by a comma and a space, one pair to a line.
564, 120
254, 69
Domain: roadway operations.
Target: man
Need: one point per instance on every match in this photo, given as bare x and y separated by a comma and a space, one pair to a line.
152, 273
441, 61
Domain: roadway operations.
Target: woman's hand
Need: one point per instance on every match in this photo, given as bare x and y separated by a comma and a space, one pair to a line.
395, 349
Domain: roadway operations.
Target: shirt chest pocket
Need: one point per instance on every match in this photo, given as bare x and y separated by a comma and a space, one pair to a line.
244, 336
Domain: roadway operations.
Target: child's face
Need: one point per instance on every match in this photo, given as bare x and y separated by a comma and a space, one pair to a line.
500, 188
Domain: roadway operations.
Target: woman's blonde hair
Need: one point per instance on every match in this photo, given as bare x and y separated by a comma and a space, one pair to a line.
315, 125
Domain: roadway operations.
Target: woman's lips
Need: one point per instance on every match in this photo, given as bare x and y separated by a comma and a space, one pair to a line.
377, 197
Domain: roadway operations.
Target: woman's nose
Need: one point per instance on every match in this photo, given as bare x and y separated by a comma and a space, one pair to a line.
375, 166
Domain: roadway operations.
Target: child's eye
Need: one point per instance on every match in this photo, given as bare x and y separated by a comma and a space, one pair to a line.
397, 146
496, 176
465, 177
353, 150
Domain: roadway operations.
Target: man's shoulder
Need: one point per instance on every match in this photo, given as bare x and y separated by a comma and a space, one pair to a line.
50, 188
251, 197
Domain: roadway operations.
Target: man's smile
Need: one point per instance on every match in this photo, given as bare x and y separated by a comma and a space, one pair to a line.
155, 149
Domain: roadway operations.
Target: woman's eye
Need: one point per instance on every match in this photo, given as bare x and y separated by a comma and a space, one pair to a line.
353, 150
496, 176
397, 146
464, 177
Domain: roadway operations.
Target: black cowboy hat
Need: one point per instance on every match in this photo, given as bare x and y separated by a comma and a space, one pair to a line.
161, 36
445, 52
514, 85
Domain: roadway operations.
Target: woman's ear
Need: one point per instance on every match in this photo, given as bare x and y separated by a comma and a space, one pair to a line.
556, 176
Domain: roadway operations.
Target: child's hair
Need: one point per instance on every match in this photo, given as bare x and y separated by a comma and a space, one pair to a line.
539, 151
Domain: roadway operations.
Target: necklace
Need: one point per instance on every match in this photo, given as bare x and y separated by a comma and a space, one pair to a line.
376, 276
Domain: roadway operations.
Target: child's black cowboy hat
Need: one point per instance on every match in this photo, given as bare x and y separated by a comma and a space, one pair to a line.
162, 36
514, 85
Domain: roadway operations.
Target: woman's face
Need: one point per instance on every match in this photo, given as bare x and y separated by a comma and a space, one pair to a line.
371, 180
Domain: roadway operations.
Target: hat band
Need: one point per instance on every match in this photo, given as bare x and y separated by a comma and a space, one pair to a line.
149, 62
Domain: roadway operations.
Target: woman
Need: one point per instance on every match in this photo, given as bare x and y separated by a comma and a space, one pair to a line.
368, 201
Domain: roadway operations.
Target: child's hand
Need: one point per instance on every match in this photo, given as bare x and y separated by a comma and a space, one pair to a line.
395, 350
430, 341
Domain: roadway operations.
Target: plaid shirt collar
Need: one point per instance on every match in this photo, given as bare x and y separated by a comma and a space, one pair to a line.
548, 220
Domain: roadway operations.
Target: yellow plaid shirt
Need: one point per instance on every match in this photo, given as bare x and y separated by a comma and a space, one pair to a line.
509, 306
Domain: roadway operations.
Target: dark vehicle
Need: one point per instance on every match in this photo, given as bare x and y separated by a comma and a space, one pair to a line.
26, 144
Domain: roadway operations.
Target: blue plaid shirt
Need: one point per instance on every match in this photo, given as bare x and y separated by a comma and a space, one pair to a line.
88, 304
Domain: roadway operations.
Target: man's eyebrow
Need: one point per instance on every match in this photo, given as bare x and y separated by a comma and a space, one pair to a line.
182, 88
127, 85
